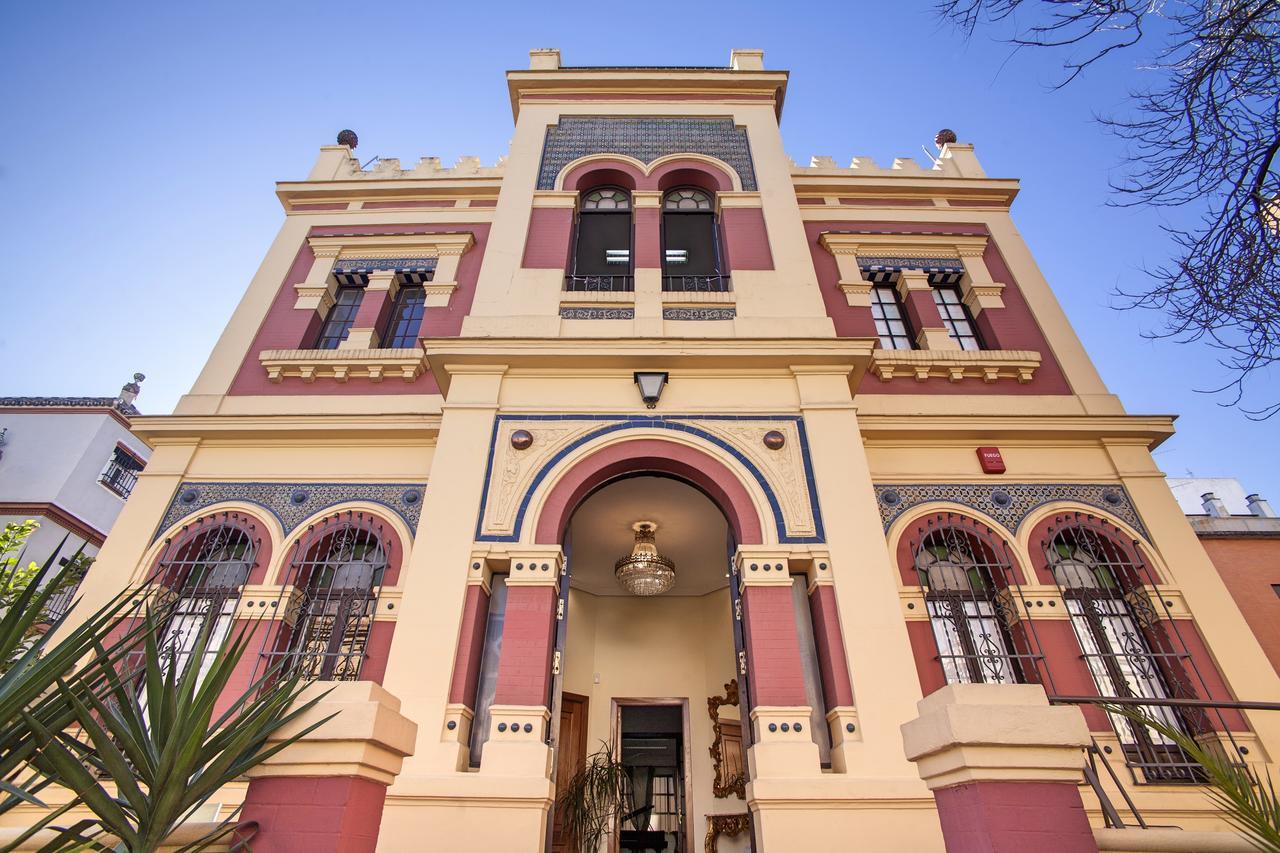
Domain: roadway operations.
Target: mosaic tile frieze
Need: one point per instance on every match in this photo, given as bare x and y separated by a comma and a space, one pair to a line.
646, 139
784, 475
293, 503
574, 313
699, 313
1008, 503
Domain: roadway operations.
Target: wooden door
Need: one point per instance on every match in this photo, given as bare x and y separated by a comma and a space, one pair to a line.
571, 755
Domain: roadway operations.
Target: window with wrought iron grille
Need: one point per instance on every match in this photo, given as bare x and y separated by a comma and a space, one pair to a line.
891, 324
973, 604
338, 570
406, 317
341, 316
201, 577
691, 243
955, 316
602, 245
121, 472
1129, 652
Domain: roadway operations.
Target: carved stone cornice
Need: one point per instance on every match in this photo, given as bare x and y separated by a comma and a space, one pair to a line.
393, 245
956, 365
341, 365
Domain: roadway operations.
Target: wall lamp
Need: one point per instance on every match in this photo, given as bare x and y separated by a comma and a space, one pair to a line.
651, 385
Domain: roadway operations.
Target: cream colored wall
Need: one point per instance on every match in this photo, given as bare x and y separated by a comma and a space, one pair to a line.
668, 647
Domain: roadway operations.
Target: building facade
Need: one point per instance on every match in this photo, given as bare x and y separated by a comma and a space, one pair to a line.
68, 463
1241, 534
914, 536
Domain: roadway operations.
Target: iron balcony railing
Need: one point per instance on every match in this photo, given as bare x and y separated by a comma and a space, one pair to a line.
599, 283
1102, 777
121, 475
695, 283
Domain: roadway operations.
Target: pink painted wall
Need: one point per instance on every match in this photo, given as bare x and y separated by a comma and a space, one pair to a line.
546, 244
314, 814
1014, 817
1013, 327
285, 327
773, 647
528, 634
466, 666
834, 666
746, 241
390, 205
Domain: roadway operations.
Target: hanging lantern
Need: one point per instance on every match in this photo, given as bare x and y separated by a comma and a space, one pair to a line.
644, 571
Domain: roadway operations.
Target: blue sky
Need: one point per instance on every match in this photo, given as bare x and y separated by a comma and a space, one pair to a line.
142, 142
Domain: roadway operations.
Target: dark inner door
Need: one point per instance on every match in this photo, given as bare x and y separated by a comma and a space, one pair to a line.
653, 751
571, 748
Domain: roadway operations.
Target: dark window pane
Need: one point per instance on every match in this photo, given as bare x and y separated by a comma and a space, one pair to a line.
955, 316
406, 318
598, 233
340, 317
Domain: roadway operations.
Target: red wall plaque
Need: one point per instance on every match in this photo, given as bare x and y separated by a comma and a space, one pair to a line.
991, 460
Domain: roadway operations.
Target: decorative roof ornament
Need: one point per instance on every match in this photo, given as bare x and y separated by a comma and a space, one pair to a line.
348, 138
644, 571
944, 137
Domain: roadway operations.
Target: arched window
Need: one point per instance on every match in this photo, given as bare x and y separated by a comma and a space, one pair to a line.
1115, 621
972, 603
690, 242
602, 248
338, 570
202, 575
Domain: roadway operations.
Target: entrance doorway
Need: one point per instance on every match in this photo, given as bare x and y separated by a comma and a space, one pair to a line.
652, 741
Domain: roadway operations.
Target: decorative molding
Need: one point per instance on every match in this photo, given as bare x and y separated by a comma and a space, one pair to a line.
293, 503
955, 365
392, 247
646, 139
724, 783
1007, 503
784, 476
699, 313
59, 516
582, 312
342, 364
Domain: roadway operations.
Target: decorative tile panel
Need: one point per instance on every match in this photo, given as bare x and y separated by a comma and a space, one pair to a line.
785, 476
293, 503
354, 272
884, 270
575, 313
646, 139
1007, 503
699, 313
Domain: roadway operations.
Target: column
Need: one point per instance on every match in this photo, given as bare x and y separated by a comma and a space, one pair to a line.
520, 711
647, 254
1004, 766
375, 307
326, 792
780, 744
917, 298
837, 690
461, 709
980, 290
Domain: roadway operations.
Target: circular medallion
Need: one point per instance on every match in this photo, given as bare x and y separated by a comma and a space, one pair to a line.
1001, 499
298, 497
774, 440
890, 498
189, 496
522, 439
411, 496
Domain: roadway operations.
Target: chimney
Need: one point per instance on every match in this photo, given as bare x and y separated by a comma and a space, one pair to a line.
129, 392
1258, 506
1214, 505
544, 59
746, 59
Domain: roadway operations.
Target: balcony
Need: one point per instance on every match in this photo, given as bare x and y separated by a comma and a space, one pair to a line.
599, 283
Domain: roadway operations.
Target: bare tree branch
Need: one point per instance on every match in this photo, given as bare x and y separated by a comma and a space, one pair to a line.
1205, 136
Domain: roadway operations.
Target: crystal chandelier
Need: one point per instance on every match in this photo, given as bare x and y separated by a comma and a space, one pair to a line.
644, 571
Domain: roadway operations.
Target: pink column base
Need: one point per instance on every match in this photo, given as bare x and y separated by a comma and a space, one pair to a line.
309, 814
1014, 817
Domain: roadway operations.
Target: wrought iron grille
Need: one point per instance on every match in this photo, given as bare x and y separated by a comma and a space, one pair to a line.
200, 579
121, 473
981, 621
337, 573
696, 283
1131, 644
599, 283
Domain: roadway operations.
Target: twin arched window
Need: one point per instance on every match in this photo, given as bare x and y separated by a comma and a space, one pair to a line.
603, 256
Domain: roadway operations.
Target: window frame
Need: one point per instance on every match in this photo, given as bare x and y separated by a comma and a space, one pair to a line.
947, 311
578, 280
718, 280
393, 330
329, 335
908, 334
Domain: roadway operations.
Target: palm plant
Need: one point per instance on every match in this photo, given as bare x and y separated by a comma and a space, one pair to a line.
594, 799
104, 702
1248, 799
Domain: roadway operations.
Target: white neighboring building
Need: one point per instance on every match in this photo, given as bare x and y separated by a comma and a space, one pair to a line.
70, 464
